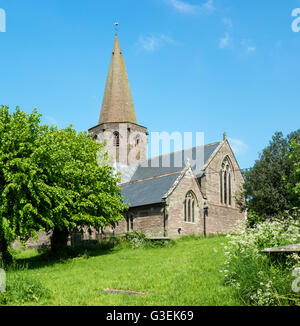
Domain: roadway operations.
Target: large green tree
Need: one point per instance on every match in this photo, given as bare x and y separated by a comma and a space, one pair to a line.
83, 193
265, 191
21, 209
50, 180
294, 180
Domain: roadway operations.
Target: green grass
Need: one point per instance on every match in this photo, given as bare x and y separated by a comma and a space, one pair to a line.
185, 274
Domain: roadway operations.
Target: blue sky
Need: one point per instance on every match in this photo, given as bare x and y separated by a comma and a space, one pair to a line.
193, 65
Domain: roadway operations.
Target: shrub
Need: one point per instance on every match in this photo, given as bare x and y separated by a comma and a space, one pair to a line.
137, 239
259, 278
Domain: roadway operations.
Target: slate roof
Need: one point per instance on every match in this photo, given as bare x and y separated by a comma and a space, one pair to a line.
149, 184
177, 160
149, 191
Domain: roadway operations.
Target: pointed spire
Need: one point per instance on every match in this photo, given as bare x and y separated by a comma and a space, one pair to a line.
117, 103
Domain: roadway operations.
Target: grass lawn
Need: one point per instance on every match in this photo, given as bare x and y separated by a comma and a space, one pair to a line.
186, 274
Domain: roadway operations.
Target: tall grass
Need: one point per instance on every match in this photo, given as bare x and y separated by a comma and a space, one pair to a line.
21, 288
182, 274
259, 278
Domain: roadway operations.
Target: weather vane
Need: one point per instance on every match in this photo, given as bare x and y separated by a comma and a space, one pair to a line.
116, 24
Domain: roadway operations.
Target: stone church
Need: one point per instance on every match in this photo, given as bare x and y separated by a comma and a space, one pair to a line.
166, 200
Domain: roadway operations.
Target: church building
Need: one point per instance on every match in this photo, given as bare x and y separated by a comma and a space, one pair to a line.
165, 200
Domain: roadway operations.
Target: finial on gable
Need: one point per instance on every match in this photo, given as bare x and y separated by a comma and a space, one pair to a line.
224, 135
188, 163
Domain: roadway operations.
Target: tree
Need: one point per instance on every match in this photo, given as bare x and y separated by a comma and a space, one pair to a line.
294, 180
21, 209
265, 188
82, 192
50, 180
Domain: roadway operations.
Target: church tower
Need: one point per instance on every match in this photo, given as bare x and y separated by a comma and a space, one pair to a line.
126, 139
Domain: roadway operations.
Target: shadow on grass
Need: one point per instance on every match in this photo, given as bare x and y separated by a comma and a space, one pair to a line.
46, 257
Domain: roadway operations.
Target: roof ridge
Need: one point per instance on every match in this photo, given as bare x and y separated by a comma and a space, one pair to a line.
151, 178
185, 149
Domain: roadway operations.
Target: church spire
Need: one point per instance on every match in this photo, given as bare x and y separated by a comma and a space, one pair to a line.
117, 105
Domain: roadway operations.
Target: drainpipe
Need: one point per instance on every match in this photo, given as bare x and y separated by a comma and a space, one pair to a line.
165, 221
205, 214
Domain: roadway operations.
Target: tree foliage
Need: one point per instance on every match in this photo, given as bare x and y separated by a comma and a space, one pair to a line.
50, 179
266, 184
294, 180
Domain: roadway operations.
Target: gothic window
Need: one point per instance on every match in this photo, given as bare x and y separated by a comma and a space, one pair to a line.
226, 178
193, 211
189, 207
225, 187
229, 189
221, 187
116, 139
95, 137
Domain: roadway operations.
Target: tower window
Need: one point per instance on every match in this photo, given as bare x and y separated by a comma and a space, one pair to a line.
116, 139
137, 140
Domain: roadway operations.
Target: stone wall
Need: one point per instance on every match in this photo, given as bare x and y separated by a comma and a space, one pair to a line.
146, 219
43, 240
222, 217
133, 141
176, 224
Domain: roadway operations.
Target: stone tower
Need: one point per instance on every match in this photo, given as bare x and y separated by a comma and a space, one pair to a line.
126, 139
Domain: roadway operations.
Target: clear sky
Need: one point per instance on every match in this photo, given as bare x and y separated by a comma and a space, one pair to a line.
193, 65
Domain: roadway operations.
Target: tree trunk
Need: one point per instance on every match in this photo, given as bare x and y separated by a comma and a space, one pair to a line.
5, 255
59, 240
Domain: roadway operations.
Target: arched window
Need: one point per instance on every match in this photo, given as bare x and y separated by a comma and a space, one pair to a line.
221, 187
193, 211
189, 207
229, 189
116, 139
226, 175
225, 187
